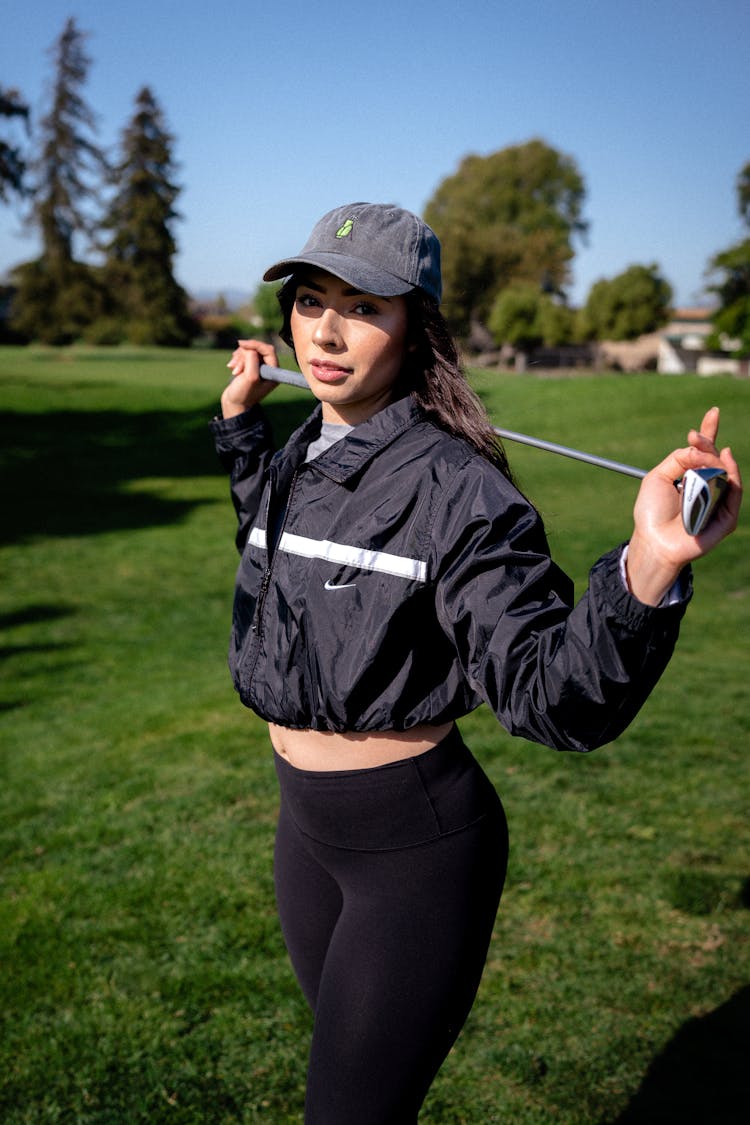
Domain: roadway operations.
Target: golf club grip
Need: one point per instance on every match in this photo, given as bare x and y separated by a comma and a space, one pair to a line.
282, 375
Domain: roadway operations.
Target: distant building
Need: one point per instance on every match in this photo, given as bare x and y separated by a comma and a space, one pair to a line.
683, 341
683, 347
640, 354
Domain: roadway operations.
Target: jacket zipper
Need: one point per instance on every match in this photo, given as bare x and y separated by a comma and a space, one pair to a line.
266, 582
257, 626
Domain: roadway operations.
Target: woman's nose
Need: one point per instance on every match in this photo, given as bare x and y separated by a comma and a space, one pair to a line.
327, 329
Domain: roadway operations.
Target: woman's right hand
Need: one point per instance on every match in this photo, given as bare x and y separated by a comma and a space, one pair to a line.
246, 388
660, 546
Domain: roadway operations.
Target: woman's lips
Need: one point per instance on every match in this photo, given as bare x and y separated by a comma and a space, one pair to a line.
328, 372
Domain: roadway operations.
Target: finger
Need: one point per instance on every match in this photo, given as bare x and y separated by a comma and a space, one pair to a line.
256, 352
677, 463
706, 436
247, 354
237, 364
259, 346
733, 469
734, 492
710, 423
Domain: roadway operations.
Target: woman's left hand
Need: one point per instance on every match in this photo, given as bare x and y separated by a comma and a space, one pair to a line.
660, 547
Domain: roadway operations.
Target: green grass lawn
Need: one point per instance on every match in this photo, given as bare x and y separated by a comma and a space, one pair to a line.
144, 976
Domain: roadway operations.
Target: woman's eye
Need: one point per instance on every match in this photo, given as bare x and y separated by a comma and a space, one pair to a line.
364, 308
307, 300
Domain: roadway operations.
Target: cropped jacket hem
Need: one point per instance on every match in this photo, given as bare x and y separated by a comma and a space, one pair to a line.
400, 579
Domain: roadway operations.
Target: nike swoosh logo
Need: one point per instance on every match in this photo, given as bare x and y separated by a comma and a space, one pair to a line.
328, 585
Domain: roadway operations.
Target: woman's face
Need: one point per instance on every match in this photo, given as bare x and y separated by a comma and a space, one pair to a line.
349, 345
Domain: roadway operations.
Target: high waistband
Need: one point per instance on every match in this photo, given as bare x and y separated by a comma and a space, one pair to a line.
396, 805
431, 761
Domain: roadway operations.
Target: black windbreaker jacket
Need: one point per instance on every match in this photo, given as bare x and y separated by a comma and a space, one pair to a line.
399, 579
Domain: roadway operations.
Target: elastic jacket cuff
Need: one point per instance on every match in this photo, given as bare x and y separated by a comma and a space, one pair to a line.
607, 580
242, 432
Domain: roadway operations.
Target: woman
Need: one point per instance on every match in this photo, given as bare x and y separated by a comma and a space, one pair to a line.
392, 579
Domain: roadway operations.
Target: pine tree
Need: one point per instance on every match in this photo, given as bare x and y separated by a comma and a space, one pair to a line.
139, 255
58, 295
12, 162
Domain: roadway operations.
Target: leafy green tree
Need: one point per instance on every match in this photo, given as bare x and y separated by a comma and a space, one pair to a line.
557, 322
141, 286
732, 287
624, 307
266, 306
515, 317
526, 317
732, 318
743, 194
505, 218
58, 295
12, 161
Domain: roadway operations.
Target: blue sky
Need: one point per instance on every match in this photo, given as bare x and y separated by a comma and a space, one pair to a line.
282, 111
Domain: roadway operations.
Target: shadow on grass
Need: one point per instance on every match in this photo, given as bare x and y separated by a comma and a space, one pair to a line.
34, 614
68, 473
702, 1076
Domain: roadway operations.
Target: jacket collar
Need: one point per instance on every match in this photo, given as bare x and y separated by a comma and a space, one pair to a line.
348, 456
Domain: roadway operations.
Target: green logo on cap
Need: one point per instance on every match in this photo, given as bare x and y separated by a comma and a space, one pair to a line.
346, 229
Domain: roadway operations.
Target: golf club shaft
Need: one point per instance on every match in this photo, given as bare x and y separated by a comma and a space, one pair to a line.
576, 454
295, 379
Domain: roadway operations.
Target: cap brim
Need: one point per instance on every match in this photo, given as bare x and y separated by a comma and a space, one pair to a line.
362, 275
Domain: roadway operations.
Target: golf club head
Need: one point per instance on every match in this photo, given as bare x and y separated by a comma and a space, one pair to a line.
701, 489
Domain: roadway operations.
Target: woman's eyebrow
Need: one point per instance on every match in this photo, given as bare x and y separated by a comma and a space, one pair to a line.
307, 284
350, 291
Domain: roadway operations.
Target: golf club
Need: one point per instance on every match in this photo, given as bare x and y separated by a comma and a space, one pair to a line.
701, 489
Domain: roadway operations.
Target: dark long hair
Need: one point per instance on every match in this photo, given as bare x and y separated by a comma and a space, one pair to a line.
432, 374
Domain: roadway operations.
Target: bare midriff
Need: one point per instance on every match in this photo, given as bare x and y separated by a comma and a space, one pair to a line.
332, 750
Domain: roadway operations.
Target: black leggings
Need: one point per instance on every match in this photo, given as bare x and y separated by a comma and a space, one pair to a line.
388, 882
